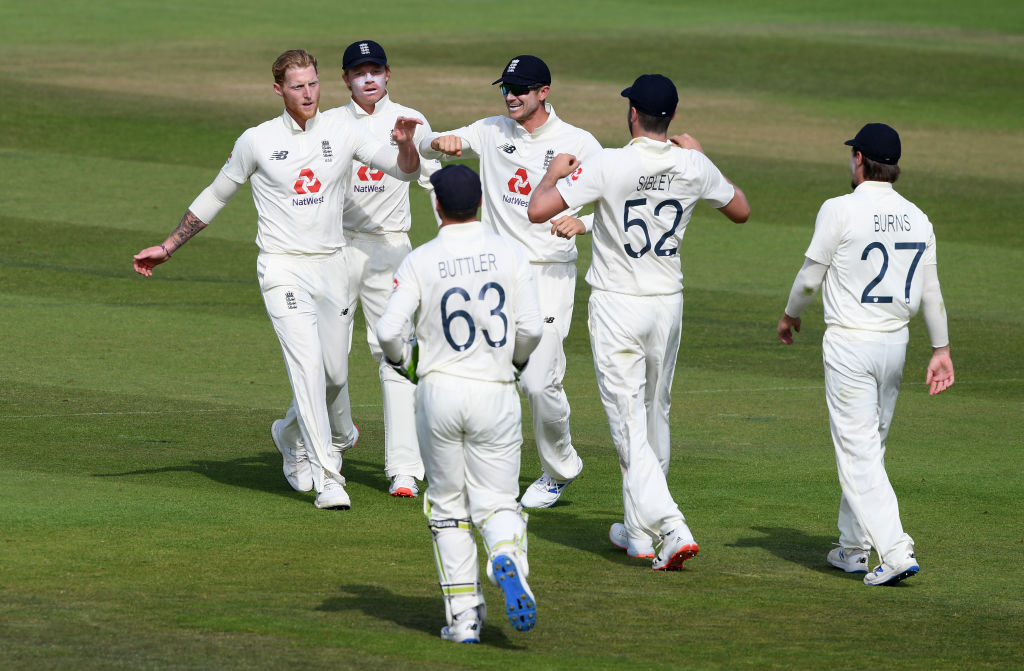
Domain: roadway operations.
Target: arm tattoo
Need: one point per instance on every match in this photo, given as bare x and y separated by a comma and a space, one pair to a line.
189, 226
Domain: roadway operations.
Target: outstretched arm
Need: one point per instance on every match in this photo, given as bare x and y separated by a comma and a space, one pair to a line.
150, 257
203, 209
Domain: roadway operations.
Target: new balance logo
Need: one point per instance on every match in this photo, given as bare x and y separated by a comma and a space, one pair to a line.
549, 320
510, 148
290, 302
279, 155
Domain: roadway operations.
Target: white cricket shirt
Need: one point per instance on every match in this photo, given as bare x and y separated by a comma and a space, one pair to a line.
299, 178
476, 301
645, 194
512, 162
377, 202
874, 242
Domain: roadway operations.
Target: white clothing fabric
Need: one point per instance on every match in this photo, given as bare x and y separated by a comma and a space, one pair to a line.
377, 202
477, 312
299, 178
646, 192
512, 161
635, 340
880, 252
373, 259
875, 243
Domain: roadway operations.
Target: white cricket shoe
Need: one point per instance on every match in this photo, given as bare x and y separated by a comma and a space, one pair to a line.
642, 548
851, 560
676, 547
884, 574
520, 605
296, 467
545, 490
465, 628
404, 486
333, 496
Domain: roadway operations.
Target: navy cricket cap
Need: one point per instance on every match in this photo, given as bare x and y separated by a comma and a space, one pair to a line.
878, 142
653, 94
364, 51
525, 71
457, 188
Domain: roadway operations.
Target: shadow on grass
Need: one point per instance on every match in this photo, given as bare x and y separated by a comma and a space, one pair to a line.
418, 613
791, 545
262, 473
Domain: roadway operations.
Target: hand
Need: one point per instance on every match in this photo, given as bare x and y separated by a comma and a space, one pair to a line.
687, 141
786, 327
447, 144
149, 258
520, 367
563, 165
405, 128
940, 371
407, 367
566, 227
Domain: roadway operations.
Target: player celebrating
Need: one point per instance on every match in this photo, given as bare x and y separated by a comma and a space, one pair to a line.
874, 251
514, 152
478, 320
298, 165
376, 222
645, 193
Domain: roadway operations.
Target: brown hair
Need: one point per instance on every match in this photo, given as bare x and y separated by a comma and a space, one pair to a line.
875, 171
651, 123
293, 58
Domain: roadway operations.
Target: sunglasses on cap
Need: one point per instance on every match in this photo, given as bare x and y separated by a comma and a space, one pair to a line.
517, 89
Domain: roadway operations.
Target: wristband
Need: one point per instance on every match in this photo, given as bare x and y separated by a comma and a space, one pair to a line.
165, 250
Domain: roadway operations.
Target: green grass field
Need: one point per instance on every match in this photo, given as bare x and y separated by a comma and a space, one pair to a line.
144, 522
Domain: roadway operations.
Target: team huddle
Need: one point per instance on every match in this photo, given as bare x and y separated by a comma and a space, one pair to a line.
462, 323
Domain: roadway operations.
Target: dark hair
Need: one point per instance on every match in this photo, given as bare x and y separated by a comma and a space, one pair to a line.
651, 123
878, 172
459, 215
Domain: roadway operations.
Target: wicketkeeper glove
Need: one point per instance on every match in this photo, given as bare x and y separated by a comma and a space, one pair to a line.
407, 366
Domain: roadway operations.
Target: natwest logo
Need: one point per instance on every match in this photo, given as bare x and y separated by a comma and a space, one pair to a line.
365, 174
576, 173
520, 183
307, 182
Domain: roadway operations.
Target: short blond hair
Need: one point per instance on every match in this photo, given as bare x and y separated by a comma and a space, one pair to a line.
292, 59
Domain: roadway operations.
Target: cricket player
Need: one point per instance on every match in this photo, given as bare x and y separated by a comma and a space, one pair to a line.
376, 221
645, 193
874, 253
514, 152
298, 165
478, 320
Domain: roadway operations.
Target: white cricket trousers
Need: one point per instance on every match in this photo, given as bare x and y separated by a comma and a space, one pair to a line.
307, 299
863, 371
541, 381
470, 436
635, 340
372, 262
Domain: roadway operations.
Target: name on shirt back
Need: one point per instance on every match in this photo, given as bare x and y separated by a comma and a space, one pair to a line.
466, 265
